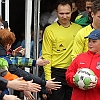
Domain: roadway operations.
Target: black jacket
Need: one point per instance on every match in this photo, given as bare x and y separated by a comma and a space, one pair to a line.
3, 83
21, 73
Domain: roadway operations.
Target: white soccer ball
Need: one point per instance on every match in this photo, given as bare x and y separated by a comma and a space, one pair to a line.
83, 78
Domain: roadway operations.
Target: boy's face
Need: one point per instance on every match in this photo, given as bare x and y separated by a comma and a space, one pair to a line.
94, 45
8, 47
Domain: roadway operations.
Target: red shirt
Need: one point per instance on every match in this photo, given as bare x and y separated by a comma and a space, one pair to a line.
84, 60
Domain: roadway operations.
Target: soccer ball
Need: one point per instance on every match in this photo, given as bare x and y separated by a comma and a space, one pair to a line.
83, 78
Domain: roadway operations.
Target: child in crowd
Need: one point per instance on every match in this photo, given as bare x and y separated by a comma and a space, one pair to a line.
7, 38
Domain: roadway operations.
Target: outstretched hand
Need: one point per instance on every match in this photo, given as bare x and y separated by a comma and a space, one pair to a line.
29, 96
19, 49
50, 84
42, 62
33, 87
17, 84
10, 97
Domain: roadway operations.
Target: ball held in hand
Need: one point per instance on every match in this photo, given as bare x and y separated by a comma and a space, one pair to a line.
83, 78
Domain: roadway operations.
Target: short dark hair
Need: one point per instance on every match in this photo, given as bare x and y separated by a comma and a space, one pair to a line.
63, 2
96, 6
76, 1
89, 0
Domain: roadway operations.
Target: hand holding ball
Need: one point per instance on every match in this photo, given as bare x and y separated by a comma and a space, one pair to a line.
85, 79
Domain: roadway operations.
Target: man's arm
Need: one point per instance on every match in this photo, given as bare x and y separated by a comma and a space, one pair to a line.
47, 52
79, 44
21, 61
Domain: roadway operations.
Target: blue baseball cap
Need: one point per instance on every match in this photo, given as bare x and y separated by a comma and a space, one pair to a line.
95, 34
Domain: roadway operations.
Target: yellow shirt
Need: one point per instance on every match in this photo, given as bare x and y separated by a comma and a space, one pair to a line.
57, 46
80, 43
